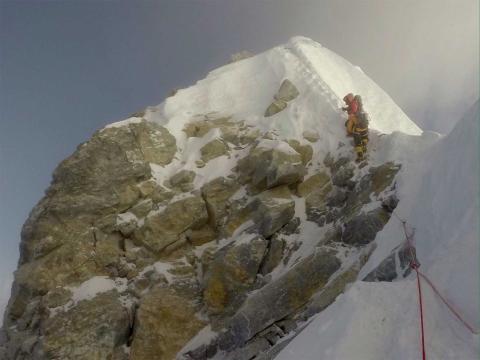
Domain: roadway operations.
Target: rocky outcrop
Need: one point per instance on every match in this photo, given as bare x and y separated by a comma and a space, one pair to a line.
232, 273
315, 190
233, 254
287, 92
213, 149
183, 180
272, 209
231, 131
91, 330
167, 227
388, 270
217, 194
363, 228
275, 107
278, 299
271, 163
165, 321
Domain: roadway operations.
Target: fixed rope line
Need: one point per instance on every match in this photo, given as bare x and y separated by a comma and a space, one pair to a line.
450, 306
414, 264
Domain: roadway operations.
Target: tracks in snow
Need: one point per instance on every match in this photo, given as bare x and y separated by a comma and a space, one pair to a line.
307, 69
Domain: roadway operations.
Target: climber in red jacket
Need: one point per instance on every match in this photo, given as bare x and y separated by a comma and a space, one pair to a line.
351, 109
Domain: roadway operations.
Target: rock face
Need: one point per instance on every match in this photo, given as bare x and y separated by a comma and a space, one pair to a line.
89, 331
272, 209
166, 227
283, 297
216, 194
315, 190
387, 270
213, 149
362, 229
165, 321
266, 167
231, 273
287, 92
145, 244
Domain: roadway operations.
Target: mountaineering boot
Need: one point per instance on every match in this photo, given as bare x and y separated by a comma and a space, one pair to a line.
364, 143
359, 151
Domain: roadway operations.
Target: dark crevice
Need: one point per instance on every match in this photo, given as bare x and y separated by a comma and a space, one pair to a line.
271, 342
210, 212
265, 256
95, 239
131, 329
121, 242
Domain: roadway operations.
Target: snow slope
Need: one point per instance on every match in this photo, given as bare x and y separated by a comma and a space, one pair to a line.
246, 88
380, 320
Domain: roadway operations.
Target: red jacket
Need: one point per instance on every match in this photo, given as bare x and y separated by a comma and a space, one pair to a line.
352, 107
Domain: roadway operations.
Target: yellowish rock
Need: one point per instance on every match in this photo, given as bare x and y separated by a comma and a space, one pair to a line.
164, 228
165, 322
213, 149
313, 183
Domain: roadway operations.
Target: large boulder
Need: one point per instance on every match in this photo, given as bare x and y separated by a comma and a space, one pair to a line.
383, 176
231, 131
272, 209
265, 214
99, 179
183, 180
275, 107
91, 330
231, 273
279, 298
305, 150
337, 285
287, 92
216, 194
271, 163
363, 228
372, 185
149, 189
67, 263
165, 321
315, 190
166, 227
396, 265
157, 145
213, 149
313, 183
200, 127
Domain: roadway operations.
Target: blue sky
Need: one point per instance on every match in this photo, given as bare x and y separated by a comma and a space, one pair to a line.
67, 68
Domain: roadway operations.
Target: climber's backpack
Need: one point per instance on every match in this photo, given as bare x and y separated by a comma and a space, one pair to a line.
359, 101
362, 120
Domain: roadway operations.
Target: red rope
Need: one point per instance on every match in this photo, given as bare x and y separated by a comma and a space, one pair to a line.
414, 264
450, 306
420, 302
